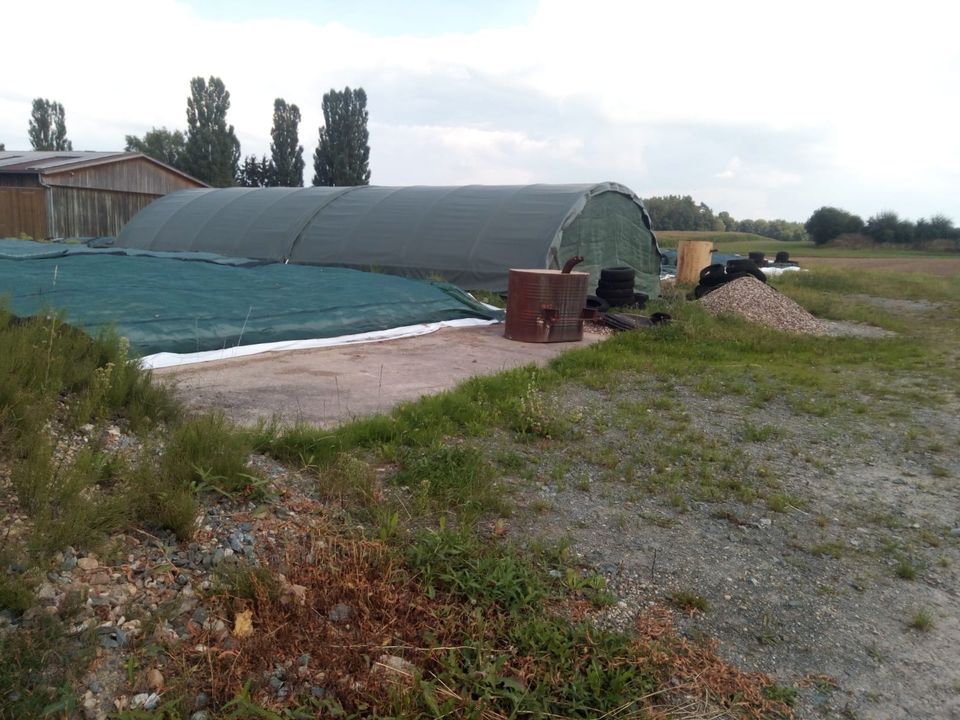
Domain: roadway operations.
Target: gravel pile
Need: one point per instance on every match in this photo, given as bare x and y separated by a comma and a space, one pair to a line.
760, 303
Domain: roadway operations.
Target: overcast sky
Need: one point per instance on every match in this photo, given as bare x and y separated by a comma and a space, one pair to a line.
764, 109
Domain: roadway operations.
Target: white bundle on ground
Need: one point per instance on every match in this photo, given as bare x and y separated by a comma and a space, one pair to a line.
760, 303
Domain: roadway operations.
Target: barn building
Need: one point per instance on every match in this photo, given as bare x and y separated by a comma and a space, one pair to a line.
469, 235
66, 194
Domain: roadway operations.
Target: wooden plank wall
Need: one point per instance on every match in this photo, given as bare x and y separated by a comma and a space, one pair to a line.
22, 212
81, 212
136, 175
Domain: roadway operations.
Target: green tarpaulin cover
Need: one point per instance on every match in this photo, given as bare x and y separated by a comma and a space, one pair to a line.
163, 303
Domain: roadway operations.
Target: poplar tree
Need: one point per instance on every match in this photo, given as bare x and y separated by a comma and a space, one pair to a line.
212, 151
286, 151
48, 126
343, 155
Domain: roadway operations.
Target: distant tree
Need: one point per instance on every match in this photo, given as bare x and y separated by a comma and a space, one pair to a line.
2, 147
257, 173
160, 144
286, 151
828, 222
48, 126
342, 157
729, 224
212, 151
887, 227
939, 227
673, 212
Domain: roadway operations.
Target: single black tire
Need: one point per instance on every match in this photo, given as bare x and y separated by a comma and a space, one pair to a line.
741, 265
640, 299
730, 277
596, 303
712, 275
700, 290
782, 257
618, 274
661, 318
618, 300
616, 285
758, 257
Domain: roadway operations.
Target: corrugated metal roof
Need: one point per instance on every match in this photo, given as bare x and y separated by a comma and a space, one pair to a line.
53, 160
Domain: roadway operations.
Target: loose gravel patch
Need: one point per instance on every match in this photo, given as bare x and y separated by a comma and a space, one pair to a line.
758, 302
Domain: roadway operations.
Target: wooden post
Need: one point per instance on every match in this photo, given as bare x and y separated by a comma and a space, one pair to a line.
692, 257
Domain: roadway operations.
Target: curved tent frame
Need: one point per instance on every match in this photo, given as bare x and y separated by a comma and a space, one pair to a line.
469, 235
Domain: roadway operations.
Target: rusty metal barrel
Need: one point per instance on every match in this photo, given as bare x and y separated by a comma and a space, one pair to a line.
545, 305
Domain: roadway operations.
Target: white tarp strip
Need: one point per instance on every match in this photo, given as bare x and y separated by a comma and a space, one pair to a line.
164, 359
764, 270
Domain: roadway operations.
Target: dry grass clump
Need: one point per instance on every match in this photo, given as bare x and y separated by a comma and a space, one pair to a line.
318, 625
758, 302
696, 672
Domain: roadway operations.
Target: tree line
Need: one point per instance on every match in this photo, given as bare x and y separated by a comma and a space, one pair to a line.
829, 223
210, 151
682, 212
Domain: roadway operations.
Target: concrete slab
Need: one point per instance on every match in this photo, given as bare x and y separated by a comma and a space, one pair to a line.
329, 386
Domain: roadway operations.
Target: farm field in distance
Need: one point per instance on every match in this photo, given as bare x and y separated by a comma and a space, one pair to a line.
743, 243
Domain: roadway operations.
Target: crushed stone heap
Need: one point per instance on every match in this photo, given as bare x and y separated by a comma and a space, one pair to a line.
760, 303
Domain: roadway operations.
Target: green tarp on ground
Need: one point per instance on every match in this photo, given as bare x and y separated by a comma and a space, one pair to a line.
163, 303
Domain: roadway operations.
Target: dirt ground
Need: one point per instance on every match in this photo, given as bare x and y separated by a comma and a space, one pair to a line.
822, 592
328, 386
931, 266
809, 594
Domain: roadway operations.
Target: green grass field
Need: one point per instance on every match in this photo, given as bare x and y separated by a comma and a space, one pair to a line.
743, 243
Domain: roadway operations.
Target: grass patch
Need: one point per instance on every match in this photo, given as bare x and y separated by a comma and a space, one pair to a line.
921, 620
690, 601
832, 548
41, 664
906, 569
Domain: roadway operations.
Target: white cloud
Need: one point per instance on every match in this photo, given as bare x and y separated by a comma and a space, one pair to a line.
664, 97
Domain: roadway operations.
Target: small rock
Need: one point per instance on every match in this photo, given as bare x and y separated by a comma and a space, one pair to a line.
764, 522
46, 592
155, 679
139, 701
275, 682
340, 613
955, 532
101, 577
88, 563
318, 692
218, 556
200, 715
201, 701
93, 686
111, 637
304, 659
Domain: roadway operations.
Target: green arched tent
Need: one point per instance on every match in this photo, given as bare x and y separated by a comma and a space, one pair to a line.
470, 235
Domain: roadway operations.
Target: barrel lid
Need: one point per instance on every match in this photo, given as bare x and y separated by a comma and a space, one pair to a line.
534, 271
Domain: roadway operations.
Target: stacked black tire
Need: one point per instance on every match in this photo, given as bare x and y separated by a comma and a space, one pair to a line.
616, 287
714, 276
